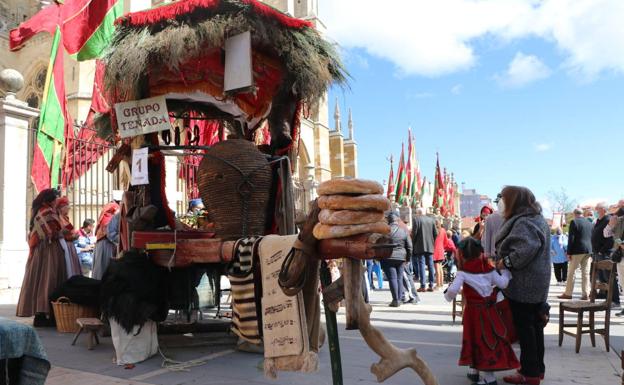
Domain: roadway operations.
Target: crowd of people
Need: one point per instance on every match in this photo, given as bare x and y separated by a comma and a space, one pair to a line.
503, 269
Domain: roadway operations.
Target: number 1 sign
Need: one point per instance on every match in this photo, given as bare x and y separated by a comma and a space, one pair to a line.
139, 167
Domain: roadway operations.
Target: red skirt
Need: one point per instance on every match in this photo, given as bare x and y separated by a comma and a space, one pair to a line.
487, 331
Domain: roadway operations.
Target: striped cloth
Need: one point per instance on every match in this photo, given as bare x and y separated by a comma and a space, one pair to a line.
244, 277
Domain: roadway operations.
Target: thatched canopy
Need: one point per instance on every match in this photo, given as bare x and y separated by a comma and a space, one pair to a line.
168, 37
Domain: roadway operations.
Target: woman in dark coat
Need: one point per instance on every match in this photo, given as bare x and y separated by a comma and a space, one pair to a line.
523, 246
393, 266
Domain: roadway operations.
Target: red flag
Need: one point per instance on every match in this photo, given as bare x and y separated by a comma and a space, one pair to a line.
54, 123
391, 179
438, 193
84, 150
410, 165
401, 188
86, 26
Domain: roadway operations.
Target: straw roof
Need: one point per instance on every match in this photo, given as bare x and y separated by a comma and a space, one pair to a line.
168, 36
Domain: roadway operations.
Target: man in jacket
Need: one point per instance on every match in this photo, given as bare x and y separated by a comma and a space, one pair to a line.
602, 246
424, 234
579, 254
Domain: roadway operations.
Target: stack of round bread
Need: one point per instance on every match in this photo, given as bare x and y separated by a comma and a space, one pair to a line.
351, 207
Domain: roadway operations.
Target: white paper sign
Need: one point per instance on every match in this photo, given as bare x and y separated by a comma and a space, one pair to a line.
138, 117
283, 317
238, 72
139, 167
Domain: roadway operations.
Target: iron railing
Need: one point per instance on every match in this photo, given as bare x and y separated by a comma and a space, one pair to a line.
85, 181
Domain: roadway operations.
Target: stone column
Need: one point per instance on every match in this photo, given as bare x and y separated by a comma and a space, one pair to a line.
15, 118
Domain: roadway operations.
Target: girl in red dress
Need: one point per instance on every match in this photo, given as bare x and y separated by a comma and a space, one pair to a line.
487, 331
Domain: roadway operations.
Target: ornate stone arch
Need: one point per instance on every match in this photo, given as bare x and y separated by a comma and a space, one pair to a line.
34, 83
303, 160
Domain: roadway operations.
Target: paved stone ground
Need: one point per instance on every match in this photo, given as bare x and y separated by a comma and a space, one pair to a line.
426, 326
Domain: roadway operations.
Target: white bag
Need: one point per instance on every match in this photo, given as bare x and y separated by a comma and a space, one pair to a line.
131, 348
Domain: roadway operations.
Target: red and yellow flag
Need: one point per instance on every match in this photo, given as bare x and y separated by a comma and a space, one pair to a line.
84, 28
54, 123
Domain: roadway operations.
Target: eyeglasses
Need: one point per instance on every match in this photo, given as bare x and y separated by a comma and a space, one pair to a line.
498, 198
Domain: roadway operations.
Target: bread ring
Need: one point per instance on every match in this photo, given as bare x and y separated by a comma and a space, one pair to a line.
350, 186
326, 232
349, 217
357, 203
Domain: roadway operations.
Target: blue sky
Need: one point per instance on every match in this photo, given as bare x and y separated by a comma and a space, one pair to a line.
504, 99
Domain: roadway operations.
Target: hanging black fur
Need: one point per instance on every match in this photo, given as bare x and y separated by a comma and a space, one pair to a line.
134, 290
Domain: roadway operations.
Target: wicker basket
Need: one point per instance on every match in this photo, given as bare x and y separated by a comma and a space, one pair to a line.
66, 314
234, 180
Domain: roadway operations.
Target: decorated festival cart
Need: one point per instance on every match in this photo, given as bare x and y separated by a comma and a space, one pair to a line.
223, 84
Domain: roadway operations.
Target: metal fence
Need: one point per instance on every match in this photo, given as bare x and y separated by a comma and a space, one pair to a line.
86, 182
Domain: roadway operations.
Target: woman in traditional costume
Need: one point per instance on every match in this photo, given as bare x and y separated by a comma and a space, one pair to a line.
67, 238
45, 268
487, 327
107, 235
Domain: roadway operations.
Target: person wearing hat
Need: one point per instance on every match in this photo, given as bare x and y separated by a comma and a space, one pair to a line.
195, 206
393, 266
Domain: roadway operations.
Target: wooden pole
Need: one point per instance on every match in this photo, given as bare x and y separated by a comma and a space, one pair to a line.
332, 330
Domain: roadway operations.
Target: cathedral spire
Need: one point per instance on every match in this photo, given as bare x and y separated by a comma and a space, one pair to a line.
337, 118
351, 137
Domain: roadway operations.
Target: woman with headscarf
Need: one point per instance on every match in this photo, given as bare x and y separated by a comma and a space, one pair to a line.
479, 228
45, 268
68, 236
523, 247
107, 235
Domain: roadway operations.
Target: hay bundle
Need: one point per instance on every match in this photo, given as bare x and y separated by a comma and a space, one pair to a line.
168, 36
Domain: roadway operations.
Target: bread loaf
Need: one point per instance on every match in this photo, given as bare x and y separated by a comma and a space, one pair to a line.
322, 231
350, 186
357, 203
349, 217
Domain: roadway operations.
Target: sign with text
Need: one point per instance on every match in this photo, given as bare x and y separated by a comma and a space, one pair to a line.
283, 317
139, 167
138, 117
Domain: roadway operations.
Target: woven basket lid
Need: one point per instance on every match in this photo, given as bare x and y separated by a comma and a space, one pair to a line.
234, 180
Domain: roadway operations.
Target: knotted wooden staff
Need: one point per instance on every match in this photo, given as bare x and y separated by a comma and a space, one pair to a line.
348, 287
392, 359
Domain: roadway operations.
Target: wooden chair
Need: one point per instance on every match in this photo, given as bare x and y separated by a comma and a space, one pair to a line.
592, 307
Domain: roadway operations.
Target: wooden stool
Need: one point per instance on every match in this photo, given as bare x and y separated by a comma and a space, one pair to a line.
91, 325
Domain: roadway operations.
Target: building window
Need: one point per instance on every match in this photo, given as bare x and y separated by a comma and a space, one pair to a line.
40, 79
33, 101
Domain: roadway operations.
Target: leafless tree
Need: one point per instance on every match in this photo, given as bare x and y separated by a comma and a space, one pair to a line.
560, 200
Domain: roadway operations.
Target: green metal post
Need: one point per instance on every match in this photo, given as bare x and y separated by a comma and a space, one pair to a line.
332, 331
